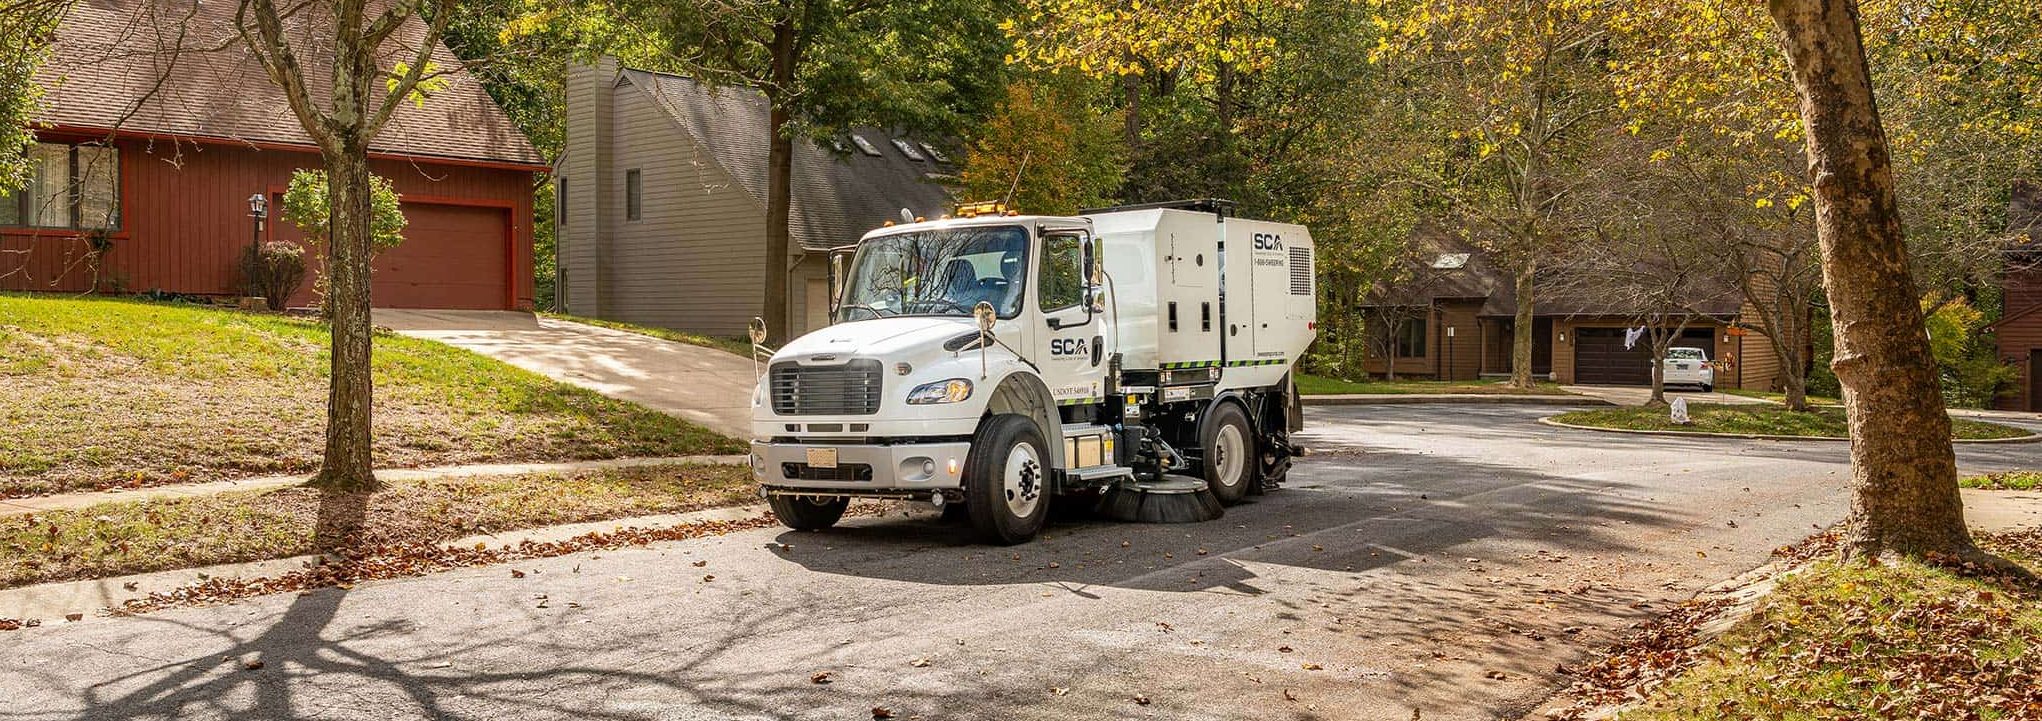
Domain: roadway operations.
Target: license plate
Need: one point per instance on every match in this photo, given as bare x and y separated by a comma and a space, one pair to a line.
822, 458
1684, 366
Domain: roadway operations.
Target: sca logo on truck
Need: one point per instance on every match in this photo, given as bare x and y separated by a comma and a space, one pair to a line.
1268, 241
1067, 346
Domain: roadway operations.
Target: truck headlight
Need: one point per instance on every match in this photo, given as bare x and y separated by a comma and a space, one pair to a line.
950, 391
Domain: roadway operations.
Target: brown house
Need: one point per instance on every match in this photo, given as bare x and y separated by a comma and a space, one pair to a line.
1457, 321
2019, 328
151, 144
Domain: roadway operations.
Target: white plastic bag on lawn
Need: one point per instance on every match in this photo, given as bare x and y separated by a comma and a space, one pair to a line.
1680, 412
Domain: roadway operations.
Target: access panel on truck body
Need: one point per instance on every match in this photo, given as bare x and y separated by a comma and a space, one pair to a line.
1165, 271
1271, 309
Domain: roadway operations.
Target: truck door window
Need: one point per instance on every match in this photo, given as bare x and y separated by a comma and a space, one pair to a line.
1062, 284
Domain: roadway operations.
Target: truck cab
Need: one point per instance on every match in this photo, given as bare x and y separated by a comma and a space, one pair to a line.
977, 363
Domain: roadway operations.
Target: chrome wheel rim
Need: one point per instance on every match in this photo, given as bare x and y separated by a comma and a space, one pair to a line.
1229, 455
1021, 480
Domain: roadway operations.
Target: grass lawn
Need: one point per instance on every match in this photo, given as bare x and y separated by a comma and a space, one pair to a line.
734, 346
2007, 481
1776, 397
124, 537
1859, 641
105, 392
1319, 385
1756, 420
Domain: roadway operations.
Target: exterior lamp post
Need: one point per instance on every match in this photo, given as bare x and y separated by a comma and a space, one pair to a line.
258, 208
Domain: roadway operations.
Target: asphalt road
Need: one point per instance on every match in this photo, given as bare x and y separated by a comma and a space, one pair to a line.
1420, 551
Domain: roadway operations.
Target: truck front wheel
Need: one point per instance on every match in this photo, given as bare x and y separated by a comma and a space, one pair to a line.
1229, 458
809, 513
1006, 480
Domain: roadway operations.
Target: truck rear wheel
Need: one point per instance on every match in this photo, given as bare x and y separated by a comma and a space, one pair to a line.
809, 513
1229, 458
1006, 480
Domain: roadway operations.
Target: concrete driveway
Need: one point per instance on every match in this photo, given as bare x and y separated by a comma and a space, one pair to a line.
1427, 561
702, 385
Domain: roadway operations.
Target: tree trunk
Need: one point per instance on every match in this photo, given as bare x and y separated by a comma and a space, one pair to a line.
1132, 86
1789, 349
1659, 346
348, 466
1903, 473
1521, 335
779, 182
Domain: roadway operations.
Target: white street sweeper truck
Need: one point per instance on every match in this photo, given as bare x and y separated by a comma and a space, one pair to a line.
1136, 360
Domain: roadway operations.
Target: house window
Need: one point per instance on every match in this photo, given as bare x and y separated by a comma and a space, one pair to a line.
633, 186
1411, 339
907, 150
68, 186
560, 203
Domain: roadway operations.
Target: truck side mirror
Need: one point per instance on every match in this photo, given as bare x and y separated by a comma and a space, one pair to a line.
836, 289
1095, 277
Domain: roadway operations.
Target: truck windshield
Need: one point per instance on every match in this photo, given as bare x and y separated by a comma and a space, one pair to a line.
937, 272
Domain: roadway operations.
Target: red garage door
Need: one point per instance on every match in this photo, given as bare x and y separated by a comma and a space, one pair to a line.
453, 256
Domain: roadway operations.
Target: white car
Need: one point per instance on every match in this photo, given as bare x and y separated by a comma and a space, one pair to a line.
1689, 367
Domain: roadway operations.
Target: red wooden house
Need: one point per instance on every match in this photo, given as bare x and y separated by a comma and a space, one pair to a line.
157, 128
2019, 328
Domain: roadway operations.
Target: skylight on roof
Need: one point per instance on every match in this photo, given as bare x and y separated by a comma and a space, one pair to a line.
934, 153
1450, 261
864, 145
907, 150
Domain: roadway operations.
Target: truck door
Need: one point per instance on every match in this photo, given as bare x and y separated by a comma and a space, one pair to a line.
1074, 357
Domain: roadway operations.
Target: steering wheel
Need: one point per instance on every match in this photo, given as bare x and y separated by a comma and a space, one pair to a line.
945, 301
876, 312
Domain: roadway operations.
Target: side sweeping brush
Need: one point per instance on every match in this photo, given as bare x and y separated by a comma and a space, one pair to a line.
1173, 499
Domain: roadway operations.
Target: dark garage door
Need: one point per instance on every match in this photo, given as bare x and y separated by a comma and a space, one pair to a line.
1600, 358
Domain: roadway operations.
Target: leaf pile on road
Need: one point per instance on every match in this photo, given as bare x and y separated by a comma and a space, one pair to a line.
421, 558
124, 537
1843, 639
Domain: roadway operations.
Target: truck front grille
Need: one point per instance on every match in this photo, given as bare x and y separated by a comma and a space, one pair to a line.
849, 389
843, 472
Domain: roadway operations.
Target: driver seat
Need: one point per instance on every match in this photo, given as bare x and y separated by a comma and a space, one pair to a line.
960, 282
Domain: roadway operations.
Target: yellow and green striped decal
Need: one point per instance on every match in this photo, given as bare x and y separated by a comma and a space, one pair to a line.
1191, 364
1078, 401
1261, 362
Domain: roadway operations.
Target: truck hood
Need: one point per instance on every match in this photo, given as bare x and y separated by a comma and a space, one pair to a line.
877, 337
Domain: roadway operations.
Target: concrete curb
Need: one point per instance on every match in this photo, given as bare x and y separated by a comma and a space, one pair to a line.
1362, 399
50, 603
70, 501
1548, 420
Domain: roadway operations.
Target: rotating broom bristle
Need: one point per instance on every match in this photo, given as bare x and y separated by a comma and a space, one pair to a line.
1174, 499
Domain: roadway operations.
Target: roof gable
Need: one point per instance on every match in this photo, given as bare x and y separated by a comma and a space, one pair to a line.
836, 197
177, 68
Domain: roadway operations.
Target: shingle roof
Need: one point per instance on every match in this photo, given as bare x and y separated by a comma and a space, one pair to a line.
1480, 278
176, 67
837, 198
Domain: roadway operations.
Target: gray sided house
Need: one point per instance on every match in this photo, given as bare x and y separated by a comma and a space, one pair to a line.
662, 190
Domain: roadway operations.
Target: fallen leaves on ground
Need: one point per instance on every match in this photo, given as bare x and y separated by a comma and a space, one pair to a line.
1841, 639
417, 559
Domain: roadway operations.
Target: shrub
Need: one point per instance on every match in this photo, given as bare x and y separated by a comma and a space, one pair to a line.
273, 270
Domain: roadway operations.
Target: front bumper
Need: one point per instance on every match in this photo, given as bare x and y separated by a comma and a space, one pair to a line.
890, 470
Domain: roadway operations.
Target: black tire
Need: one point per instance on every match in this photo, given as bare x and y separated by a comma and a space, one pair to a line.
809, 513
1005, 515
1706, 388
1227, 448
